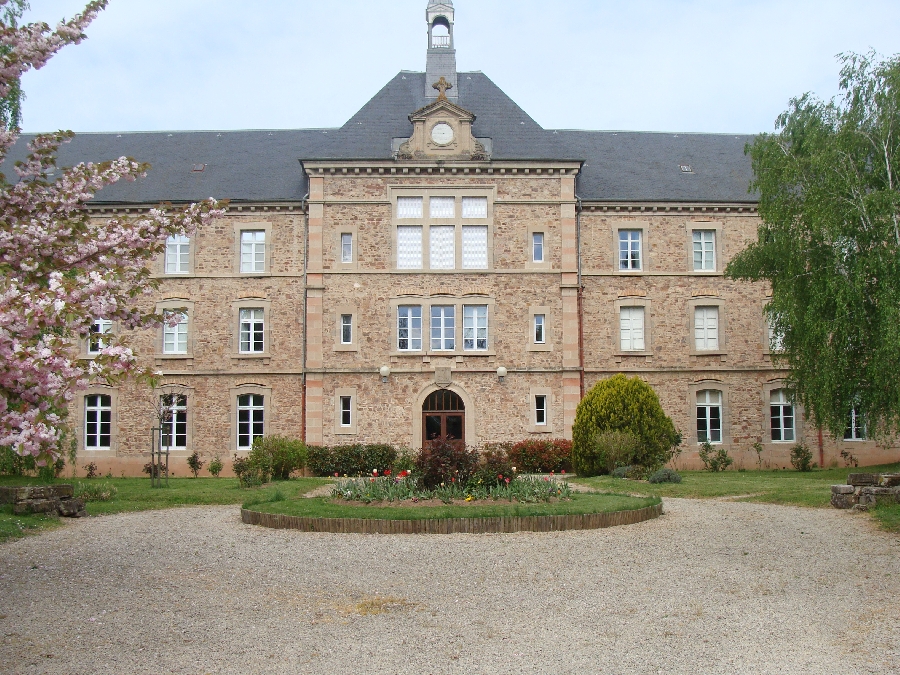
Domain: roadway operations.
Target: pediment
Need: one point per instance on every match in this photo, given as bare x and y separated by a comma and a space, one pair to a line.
442, 108
442, 130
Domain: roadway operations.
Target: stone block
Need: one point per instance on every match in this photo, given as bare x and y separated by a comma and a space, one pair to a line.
842, 489
71, 508
844, 501
63, 491
861, 479
889, 480
878, 495
36, 506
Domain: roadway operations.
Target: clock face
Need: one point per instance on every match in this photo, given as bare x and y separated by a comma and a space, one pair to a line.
442, 134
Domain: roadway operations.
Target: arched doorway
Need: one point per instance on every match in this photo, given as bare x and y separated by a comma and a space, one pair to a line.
443, 415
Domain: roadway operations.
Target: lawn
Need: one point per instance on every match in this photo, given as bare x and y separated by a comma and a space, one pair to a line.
136, 494
326, 508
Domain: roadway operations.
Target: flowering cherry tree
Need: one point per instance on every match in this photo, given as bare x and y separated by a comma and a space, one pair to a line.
60, 270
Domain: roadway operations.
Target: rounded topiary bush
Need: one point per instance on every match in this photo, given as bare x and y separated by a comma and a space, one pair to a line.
665, 476
624, 408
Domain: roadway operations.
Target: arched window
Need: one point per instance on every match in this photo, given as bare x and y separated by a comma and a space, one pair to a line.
440, 33
444, 416
782, 416
709, 416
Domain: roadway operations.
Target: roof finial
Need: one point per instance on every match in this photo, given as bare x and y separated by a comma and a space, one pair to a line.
442, 86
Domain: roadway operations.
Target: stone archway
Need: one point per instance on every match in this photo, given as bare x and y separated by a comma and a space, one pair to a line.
443, 416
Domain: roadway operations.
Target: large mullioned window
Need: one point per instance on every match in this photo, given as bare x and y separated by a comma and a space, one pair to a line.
709, 416
97, 422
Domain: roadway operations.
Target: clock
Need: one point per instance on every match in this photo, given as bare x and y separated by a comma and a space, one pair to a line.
442, 133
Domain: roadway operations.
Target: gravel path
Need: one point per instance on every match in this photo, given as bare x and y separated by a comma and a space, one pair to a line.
711, 587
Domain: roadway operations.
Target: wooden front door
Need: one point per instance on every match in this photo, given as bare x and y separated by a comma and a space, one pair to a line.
443, 415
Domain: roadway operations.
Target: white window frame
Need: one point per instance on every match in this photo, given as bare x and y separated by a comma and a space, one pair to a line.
172, 337
253, 251
414, 334
476, 328
705, 404
255, 409
252, 331
406, 207
346, 411
856, 429
176, 407
347, 248
628, 342
704, 249
407, 262
95, 403
541, 410
630, 245
446, 321
539, 326
782, 417
346, 329
707, 337
178, 255
96, 344
537, 248
442, 249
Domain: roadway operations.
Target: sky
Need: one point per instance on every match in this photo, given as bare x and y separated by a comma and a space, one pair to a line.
715, 66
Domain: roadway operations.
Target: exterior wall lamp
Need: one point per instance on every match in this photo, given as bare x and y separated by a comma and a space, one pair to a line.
501, 373
385, 374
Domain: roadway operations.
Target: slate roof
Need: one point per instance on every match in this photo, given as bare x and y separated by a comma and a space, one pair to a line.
253, 166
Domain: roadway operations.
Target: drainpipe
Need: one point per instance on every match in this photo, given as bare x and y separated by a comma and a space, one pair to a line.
578, 209
304, 206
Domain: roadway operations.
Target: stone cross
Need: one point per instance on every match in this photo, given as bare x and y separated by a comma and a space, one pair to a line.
442, 86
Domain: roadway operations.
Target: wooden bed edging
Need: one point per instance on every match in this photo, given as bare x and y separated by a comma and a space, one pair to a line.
495, 525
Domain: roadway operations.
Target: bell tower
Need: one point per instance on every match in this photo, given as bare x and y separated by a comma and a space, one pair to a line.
441, 50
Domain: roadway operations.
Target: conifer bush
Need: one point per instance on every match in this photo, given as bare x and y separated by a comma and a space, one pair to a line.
628, 406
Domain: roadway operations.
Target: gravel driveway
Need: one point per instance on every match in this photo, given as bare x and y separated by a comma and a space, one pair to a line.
711, 587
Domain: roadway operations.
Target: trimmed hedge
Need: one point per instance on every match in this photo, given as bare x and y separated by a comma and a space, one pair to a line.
622, 404
541, 455
350, 460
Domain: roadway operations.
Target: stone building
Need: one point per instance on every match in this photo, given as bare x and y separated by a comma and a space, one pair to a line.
443, 264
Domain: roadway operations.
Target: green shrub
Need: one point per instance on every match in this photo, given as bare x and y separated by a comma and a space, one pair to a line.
716, 458
249, 474
541, 455
665, 476
607, 451
620, 472
216, 466
406, 461
96, 492
277, 457
445, 460
14, 464
625, 405
195, 463
351, 460
801, 458
494, 464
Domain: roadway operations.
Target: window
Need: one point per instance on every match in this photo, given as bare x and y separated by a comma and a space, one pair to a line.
776, 342
704, 250
540, 334
252, 331
175, 337
475, 328
347, 247
856, 427
443, 328
346, 411
443, 207
709, 416
706, 328
346, 329
409, 248
253, 251
475, 207
97, 422
629, 250
540, 410
443, 247
409, 328
537, 247
98, 328
782, 416
409, 207
251, 420
631, 320
178, 255
174, 422
474, 247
